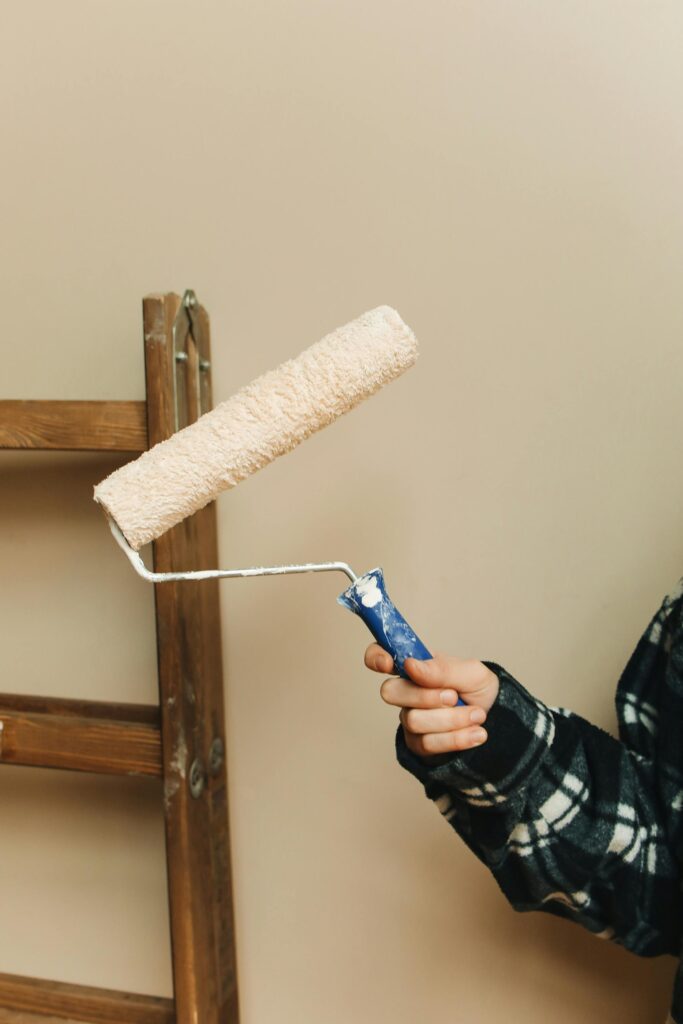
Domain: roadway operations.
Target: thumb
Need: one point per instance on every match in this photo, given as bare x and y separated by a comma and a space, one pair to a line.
465, 675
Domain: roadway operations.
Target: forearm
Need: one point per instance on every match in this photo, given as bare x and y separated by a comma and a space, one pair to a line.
566, 818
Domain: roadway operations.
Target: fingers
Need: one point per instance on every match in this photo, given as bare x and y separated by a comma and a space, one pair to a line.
473, 680
432, 724
467, 675
404, 694
438, 720
430, 731
444, 742
378, 660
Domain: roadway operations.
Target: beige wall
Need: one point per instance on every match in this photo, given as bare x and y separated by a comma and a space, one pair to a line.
508, 175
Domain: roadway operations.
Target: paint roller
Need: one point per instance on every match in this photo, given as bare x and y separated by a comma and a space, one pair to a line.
262, 421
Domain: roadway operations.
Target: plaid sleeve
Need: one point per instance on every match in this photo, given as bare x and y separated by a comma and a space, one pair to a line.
568, 819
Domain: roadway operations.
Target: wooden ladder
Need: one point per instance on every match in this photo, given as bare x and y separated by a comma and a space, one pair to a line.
182, 740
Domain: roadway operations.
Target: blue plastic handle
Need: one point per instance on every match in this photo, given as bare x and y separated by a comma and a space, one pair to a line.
368, 598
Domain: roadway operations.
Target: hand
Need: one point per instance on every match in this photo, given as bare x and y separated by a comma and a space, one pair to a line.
431, 722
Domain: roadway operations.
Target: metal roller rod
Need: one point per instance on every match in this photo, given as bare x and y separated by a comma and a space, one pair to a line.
209, 574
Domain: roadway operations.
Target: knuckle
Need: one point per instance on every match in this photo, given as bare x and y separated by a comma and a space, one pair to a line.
464, 721
456, 718
430, 743
461, 739
410, 719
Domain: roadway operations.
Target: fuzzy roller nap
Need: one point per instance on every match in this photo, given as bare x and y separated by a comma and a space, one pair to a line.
265, 419
268, 418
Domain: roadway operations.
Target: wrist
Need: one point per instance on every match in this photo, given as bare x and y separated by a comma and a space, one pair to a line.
520, 731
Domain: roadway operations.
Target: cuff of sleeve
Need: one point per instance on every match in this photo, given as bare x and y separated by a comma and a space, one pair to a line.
520, 730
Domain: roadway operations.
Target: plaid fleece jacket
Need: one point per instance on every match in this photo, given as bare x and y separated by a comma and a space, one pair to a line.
572, 821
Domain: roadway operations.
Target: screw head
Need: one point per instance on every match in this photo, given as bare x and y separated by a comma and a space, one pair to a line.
216, 752
196, 778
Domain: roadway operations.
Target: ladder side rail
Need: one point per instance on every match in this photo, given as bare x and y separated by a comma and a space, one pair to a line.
192, 707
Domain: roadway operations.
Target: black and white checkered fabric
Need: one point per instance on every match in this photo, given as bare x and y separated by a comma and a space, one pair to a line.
571, 821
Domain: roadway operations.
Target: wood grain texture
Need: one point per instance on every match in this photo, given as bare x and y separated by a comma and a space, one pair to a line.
167, 740
32, 999
110, 739
73, 426
85, 708
191, 694
8, 1016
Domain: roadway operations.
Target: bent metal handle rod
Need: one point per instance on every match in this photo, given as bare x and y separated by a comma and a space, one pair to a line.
141, 569
366, 597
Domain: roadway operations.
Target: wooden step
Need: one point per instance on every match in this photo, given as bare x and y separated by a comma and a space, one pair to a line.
74, 426
34, 1001
86, 736
8, 1016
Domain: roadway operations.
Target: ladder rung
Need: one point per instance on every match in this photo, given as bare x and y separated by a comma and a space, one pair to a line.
74, 426
86, 736
29, 1000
